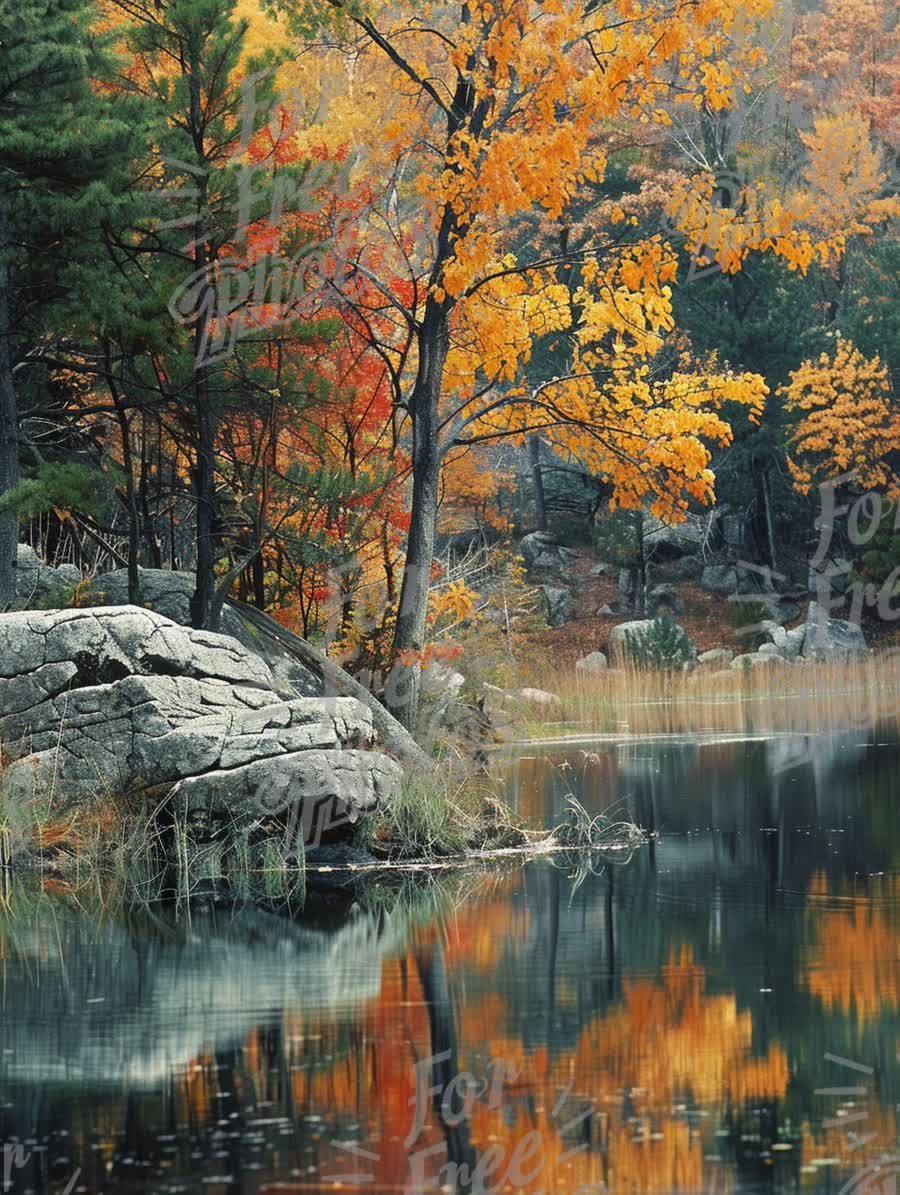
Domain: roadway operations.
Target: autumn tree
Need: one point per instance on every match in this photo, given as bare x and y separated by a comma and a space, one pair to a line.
497, 125
789, 243
844, 58
846, 421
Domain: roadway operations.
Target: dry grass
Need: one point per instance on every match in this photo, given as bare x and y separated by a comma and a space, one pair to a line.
436, 815
801, 698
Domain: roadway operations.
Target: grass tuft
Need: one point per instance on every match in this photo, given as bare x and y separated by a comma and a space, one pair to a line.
433, 817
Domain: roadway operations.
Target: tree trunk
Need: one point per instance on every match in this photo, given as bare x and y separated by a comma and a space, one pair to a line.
402, 688
640, 572
202, 599
259, 581
337, 683
152, 548
770, 527
9, 430
131, 502
134, 521
388, 562
537, 478
448, 1103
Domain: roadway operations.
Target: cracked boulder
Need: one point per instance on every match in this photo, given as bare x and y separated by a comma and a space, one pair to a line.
169, 593
121, 700
540, 551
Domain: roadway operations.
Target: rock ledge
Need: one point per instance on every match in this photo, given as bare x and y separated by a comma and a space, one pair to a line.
121, 700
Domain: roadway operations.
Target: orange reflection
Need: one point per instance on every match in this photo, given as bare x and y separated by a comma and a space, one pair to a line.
672, 1039
854, 964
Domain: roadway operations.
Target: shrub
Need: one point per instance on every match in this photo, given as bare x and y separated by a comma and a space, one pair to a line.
664, 645
71, 597
746, 618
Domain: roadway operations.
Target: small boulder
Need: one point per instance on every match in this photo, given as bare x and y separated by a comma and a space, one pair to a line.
539, 697
830, 638
768, 649
664, 597
69, 575
594, 662
791, 643
686, 569
786, 643
539, 550
717, 658
508, 703
677, 650
719, 578
618, 637
760, 659
441, 681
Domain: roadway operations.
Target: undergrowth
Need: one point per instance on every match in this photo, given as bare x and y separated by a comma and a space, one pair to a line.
432, 817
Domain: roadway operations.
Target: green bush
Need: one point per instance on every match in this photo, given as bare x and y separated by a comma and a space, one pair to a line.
664, 645
71, 597
746, 618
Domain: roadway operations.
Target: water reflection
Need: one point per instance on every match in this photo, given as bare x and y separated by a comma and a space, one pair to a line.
720, 1014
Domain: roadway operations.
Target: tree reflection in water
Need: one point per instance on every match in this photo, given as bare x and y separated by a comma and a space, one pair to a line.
663, 1026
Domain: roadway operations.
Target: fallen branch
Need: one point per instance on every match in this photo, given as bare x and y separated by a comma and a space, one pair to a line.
339, 683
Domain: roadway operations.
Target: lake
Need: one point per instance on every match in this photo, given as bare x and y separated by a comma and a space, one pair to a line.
717, 1012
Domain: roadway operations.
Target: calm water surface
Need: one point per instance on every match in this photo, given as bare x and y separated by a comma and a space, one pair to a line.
717, 1014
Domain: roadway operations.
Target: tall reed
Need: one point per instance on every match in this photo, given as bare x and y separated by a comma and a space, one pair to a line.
780, 697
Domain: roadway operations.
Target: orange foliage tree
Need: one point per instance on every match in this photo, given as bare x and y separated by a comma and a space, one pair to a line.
497, 123
846, 420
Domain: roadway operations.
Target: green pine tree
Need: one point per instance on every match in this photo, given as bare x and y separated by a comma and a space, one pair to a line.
63, 149
663, 645
204, 113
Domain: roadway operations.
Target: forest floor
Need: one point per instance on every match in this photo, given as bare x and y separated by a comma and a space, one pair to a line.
707, 617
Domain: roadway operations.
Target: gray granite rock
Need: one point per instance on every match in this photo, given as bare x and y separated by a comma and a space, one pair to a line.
720, 578
716, 658
663, 597
36, 581
558, 603
166, 593
830, 638
540, 551
760, 659
122, 700
618, 637
595, 661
